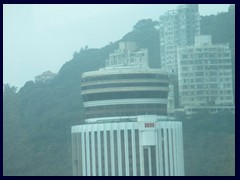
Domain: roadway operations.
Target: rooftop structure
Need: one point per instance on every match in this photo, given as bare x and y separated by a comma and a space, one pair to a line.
128, 55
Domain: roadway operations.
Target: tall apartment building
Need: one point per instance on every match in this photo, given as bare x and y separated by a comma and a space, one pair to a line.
177, 28
205, 74
127, 130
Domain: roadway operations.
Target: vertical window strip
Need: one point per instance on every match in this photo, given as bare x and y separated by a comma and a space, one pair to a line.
74, 154
163, 152
153, 161
168, 152
80, 155
102, 153
115, 152
173, 155
123, 152
90, 152
146, 161
96, 152
105, 153
130, 152
85, 149
93, 153
137, 151
109, 153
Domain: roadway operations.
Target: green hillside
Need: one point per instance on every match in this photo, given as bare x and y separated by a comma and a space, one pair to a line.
37, 119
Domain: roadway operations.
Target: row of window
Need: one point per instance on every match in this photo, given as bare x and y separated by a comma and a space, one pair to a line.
220, 81
208, 61
206, 55
206, 86
124, 76
125, 107
159, 84
206, 99
206, 92
208, 73
136, 111
203, 86
215, 99
211, 49
124, 95
130, 112
204, 67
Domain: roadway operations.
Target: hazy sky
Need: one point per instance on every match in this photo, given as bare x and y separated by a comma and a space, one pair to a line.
37, 38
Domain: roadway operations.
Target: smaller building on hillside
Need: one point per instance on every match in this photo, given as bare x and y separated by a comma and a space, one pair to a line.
45, 77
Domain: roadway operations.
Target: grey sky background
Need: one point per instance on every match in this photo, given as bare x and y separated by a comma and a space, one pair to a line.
37, 38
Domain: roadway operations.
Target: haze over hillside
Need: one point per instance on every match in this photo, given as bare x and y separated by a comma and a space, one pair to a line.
42, 37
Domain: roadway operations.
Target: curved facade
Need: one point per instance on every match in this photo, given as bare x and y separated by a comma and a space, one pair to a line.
124, 92
147, 147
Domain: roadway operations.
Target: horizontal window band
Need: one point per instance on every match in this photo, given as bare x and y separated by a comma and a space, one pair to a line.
124, 89
143, 84
124, 81
133, 109
125, 95
126, 101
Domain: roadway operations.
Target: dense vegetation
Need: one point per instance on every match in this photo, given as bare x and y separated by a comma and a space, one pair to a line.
37, 119
209, 144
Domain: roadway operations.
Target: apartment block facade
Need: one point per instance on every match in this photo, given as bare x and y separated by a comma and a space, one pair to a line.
205, 74
177, 28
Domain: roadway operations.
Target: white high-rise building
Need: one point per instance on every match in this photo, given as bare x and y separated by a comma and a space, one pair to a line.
127, 130
205, 74
177, 28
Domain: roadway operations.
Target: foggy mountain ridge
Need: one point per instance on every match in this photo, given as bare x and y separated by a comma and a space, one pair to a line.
37, 120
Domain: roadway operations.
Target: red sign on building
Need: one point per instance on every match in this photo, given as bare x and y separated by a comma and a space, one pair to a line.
149, 125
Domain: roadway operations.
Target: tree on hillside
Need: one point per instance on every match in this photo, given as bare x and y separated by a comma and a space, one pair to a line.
145, 24
9, 91
146, 35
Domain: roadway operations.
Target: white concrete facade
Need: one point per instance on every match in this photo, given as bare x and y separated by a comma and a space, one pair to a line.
205, 74
148, 147
177, 28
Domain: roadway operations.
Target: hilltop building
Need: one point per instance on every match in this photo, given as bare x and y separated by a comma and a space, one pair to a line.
45, 77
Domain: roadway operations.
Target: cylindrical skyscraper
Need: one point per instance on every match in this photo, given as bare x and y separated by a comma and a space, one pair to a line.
127, 130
